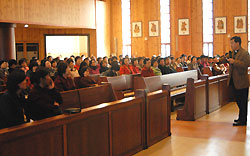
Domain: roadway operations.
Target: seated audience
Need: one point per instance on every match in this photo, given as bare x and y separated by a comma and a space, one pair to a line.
73, 71
147, 71
103, 66
135, 65
113, 70
155, 68
178, 62
140, 63
193, 65
126, 68
12, 65
23, 62
93, 69
12, 102
170, 69
63, 80
86, 80
78, 61
3, 71
44, 100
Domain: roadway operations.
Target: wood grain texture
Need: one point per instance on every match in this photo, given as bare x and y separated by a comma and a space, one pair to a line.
70, 13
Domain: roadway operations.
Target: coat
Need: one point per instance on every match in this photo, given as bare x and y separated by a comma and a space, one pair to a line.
238, 71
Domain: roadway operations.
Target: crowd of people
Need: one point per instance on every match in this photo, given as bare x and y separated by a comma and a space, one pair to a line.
33, 88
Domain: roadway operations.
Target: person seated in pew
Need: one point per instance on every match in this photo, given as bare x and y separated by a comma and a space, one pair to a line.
184, 60
78, 61
113, 70
147, 71
13, 101
154, 67
135, 67
3, 71
173, 64
140, 63
93, 69
103, 66
170, 69
217, 68
12, 65
73, 71
86, 80
63, 80
43, 100
178, 62
193, 65
126, 68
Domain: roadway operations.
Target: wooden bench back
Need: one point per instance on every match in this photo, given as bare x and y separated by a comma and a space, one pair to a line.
92, 96
70, 99
178, 79
92, 132
195, 101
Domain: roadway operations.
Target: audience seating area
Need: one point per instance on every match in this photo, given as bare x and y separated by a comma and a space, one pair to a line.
122, 127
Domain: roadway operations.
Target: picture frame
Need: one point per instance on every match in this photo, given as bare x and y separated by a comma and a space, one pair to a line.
220, 25
240, 24
153, 28
183, 26
136, 29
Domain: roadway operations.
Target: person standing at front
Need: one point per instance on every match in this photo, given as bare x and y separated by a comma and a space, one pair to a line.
238, 78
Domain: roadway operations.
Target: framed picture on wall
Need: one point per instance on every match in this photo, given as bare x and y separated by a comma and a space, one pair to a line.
136, 29
240, 24
220, 25
153, 28
183, 25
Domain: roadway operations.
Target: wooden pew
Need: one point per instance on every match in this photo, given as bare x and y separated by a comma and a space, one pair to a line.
195, 101
157, 114
208, 71
87, 97
177, 82
116, 128
122, 85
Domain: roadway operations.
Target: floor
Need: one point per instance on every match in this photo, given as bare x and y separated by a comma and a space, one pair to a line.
211, 135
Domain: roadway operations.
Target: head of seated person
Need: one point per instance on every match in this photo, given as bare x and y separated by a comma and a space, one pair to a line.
63, 70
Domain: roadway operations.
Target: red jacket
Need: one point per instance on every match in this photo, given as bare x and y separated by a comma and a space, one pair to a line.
126, 70
145, 72
135, 69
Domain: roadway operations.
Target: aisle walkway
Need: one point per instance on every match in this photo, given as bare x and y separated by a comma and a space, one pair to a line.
211, 135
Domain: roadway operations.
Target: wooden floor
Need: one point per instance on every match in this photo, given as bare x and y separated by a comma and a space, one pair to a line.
211, 135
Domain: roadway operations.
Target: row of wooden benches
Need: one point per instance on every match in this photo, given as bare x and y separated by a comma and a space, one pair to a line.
121, 127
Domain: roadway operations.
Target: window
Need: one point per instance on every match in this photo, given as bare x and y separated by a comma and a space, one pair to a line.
165, 27
207, 27
126, 28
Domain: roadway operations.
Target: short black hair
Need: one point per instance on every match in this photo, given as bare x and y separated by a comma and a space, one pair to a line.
82, 70
153, 61
41, 72
69, 61
33, 64
77, 57
61, 68
236, 39
146, 60
115, 66
11, 62
192, 58
15, 77
133, 60
21, 61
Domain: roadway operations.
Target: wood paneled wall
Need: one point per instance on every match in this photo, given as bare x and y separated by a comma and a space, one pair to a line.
69, 13
229, 9
36, 35
147, 10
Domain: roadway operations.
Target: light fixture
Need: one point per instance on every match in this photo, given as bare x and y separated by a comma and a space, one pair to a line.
26, 26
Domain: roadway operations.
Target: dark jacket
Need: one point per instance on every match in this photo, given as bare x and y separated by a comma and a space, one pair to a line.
41, 103
86, 82
11, 110
62, 84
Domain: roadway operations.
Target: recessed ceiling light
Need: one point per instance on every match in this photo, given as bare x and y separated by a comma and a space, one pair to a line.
26, 26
